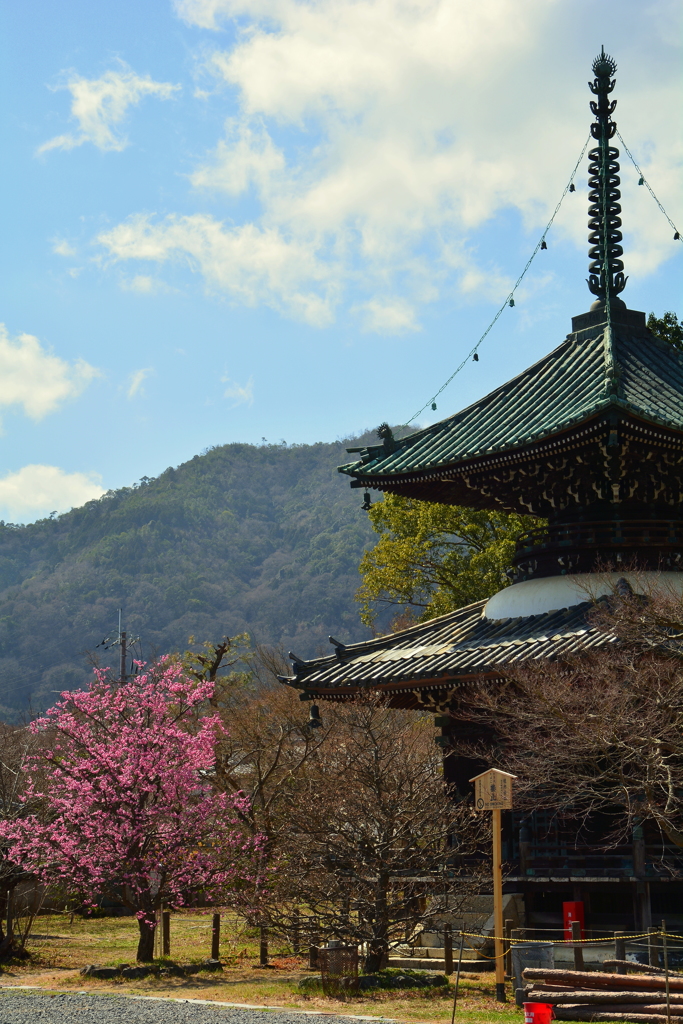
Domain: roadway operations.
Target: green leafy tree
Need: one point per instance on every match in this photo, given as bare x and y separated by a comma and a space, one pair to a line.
668, 327
433, 558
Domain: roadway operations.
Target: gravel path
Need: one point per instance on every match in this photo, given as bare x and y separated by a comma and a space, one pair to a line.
72, 1008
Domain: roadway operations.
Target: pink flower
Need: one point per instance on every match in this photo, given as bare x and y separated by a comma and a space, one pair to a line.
130, 808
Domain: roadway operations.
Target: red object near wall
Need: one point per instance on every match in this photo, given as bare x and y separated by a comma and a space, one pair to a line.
538, 1013
572, 912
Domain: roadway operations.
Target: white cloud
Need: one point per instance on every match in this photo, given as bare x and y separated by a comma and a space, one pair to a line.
63, 248
204, 13
100, 105
240, 394
36, 490
135, 381
388, 316
143, 284
246, 156
36, 380
253, 264
402, 127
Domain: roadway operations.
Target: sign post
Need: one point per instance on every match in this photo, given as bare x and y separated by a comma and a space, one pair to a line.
493, 792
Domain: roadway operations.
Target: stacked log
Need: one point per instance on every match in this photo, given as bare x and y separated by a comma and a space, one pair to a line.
599, 996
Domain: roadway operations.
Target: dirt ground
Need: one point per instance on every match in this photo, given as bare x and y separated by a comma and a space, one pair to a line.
60, 946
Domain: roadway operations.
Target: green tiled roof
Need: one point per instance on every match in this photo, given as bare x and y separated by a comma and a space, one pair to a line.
586, 374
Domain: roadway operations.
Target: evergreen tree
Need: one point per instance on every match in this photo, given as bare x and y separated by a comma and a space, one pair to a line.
433, 558
668, 327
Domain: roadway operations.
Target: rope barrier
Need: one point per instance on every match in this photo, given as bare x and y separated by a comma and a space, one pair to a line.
573, 942
510, 297
484, 955
646, 183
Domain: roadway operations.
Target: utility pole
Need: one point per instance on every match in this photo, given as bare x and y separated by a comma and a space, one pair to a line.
123, 641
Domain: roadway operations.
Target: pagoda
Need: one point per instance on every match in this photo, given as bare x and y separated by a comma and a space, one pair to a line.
589, 439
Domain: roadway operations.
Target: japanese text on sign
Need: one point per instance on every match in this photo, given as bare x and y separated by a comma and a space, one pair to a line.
493, 790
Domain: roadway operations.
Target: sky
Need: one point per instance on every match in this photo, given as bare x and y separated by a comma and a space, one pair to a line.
291, 220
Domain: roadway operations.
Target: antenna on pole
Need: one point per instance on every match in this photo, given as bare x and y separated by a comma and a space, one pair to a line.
122, 640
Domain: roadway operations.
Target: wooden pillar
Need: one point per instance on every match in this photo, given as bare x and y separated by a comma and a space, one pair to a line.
498, 905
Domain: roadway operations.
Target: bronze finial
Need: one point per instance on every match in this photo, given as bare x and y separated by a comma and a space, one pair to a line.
606, 268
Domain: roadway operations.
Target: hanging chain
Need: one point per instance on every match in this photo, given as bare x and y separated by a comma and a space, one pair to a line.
509, 300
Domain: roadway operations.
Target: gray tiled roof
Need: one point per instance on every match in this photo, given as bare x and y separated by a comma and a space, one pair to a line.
460, 645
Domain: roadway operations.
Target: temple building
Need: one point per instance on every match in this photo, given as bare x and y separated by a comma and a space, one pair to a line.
589, 439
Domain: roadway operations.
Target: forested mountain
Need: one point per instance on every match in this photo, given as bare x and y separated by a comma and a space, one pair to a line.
241, 538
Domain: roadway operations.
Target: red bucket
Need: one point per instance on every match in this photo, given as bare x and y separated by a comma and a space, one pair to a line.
538, 1013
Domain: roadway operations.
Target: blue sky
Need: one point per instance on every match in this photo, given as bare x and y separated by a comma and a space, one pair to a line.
228, 220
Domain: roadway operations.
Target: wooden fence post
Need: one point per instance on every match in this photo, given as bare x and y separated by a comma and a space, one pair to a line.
263, 947
10, 915
448, 948
216, 937
165, 932
620, 950
578, 951
508, 954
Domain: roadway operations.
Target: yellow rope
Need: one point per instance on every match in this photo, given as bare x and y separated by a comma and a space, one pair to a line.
574, 942
479, 953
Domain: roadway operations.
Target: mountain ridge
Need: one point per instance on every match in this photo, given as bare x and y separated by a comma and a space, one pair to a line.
243, 538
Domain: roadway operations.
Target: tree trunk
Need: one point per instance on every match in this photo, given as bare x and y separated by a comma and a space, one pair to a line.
376, 958
378, 946
146, 941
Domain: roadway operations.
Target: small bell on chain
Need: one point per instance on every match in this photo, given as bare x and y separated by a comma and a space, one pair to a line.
641, 181
677, 236
511, 303
475, 358
433, 406
543, 245
572, 187
367, 501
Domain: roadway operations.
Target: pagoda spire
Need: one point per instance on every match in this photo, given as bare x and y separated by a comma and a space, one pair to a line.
606, 269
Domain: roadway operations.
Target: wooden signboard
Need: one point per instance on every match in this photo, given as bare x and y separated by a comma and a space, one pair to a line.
493, 790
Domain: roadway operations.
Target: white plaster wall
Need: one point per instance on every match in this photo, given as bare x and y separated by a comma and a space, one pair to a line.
533, 597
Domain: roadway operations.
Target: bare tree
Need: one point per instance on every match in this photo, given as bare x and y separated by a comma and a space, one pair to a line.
374, 843
602, 731
361, 832
268, 747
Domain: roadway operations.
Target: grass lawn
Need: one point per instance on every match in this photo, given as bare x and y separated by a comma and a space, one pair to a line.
61, 946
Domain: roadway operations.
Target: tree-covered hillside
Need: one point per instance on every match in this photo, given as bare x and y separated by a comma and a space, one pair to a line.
242, 538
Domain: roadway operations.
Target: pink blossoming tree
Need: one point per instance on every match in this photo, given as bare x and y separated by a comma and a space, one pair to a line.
129, 809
